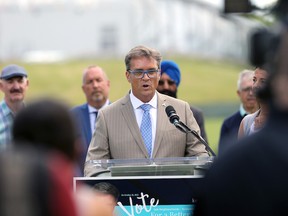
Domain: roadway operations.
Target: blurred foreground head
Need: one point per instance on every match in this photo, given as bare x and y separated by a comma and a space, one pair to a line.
276, 65
48, 125
279, 78
269, 49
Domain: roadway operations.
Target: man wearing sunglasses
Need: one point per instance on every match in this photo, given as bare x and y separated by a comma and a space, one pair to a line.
168, 85
136, 126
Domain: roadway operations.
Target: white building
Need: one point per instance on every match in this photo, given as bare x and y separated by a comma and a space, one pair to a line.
92, 28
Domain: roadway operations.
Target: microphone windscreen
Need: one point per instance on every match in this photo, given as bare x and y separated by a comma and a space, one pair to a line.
172, 115
169, 110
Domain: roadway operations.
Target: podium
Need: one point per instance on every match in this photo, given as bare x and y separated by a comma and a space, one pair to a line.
151, 187
150, 167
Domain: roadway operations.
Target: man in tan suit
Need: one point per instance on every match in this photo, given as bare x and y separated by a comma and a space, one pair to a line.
117, 134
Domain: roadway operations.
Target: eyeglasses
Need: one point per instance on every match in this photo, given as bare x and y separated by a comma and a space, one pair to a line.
170, 82
139, 74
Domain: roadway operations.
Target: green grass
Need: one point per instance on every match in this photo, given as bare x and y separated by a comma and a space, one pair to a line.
212, 127
203, 83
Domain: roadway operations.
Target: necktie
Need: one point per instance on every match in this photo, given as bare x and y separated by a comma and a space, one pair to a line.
93, 126
96, 113
146, 128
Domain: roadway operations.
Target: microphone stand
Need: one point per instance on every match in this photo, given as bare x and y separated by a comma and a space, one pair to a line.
184, 128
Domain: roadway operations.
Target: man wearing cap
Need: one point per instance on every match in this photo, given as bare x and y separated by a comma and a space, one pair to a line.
168, 84
13, 83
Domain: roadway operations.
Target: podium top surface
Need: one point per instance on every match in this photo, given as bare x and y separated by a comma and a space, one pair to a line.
153, 166
107, 163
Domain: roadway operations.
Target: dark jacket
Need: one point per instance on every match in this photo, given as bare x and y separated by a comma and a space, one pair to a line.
229, 131
198, 115
251, 177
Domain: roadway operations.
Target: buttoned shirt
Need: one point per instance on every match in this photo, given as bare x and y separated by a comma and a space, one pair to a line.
92, 115
136, 103
6, 121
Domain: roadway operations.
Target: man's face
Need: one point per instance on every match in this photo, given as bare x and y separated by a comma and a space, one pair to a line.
167, 86
96, 87
246, 94
14, 89
143, 88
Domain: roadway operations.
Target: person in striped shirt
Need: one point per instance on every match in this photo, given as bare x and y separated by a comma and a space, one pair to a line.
14, 84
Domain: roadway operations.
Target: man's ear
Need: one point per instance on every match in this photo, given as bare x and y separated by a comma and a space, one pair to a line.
238, 92
1, 85
128, 76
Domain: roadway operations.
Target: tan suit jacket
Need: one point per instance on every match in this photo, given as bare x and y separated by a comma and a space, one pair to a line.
117, 134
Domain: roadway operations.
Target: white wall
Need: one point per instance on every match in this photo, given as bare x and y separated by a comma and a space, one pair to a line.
112, 27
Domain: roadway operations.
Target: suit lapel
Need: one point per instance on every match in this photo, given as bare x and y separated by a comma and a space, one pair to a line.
161, 115
130, 119
87, 126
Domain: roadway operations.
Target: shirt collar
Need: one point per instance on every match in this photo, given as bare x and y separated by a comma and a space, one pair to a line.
242, 110
93, 109
136, 103
6, 110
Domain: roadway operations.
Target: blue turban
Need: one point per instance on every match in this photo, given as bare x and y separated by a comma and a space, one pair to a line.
172, 70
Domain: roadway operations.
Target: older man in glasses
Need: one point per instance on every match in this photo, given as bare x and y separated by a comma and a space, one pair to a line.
168, 85
249, 104
136, 126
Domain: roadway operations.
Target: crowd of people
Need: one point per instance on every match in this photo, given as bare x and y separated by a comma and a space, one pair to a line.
55, 145
45, 143
114, 134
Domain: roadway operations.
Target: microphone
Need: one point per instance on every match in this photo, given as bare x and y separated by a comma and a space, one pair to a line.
171, 113
175, 120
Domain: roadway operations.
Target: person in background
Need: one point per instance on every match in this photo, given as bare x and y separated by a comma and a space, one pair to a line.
96, 87
230, 126
255, 121
168, 85
120, 132
14, 84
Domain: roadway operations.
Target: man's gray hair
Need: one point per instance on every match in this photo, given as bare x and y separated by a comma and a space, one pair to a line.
142, 51
244, 74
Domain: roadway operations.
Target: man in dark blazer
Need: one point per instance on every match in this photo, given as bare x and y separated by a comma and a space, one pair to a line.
117, 134
230, 126
95, 86
168, 85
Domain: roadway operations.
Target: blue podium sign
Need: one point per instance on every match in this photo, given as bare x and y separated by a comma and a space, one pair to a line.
151, 196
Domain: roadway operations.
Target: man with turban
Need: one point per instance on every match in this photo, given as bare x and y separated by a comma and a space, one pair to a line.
168, 84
